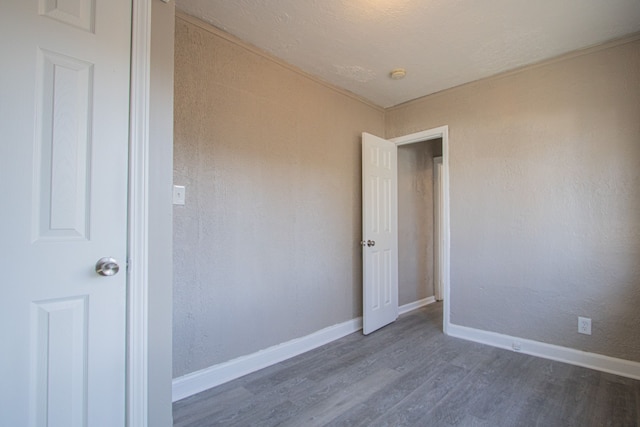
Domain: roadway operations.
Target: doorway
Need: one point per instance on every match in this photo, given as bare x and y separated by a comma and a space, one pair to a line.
418, 196
428, 135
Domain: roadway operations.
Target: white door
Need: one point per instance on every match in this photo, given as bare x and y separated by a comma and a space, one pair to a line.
379, 232
64, 116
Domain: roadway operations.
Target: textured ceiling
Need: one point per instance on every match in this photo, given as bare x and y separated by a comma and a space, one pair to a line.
354, 44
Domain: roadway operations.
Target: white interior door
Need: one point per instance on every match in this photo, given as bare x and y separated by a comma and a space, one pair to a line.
379, 232
64, 117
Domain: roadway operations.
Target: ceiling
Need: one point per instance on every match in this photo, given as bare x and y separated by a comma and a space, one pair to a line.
354, 44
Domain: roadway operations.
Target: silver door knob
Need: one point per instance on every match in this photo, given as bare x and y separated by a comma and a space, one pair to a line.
371, 243
107, 266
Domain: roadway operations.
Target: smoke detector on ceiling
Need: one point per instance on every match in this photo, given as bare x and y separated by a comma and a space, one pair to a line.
398, 73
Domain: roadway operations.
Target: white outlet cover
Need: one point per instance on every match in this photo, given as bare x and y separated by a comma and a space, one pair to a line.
179, 194
584, 325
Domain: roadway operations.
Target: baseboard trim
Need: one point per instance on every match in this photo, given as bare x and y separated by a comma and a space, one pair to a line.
212, 376
415, 305
202, 380
612, 365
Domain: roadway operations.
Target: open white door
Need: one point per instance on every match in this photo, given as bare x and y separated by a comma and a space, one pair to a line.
64, 120
379, 232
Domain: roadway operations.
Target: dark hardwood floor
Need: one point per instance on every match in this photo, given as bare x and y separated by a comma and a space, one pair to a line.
410, 374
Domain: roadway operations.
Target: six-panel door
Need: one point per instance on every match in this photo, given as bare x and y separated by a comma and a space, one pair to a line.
379, 232
64, 118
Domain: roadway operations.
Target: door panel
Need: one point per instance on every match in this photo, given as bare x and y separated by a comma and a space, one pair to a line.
379, 232
64, 116
63, 109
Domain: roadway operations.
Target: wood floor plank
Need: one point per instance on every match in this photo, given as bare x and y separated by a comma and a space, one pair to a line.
508, 388
195, 411
330, 408
410, 374
240, 412
471, 421
384, 400
579, 393
412, 409
470, 391
615, 403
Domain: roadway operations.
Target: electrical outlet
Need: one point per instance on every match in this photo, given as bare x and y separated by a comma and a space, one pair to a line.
516, 345
584, 325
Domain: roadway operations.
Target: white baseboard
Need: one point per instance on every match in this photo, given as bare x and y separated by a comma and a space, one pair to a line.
415, 305
212, 376
612, 365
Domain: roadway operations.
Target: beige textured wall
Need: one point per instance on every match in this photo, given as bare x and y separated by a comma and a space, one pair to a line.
266, 248
545, 199
415, 220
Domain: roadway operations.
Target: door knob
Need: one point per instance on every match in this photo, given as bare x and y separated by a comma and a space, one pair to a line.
371, 243
107, 266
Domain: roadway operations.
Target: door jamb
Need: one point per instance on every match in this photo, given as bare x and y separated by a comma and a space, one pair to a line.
437, 238
439, 132
138, 218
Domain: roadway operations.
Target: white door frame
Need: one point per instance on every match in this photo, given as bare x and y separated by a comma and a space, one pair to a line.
437, 235
439, 132
138, 215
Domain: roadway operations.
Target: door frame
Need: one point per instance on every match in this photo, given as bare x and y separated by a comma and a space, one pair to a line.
137, 393
426, 135
437, 235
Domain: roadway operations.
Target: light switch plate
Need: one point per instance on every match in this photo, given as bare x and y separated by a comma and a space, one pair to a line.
179, 194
